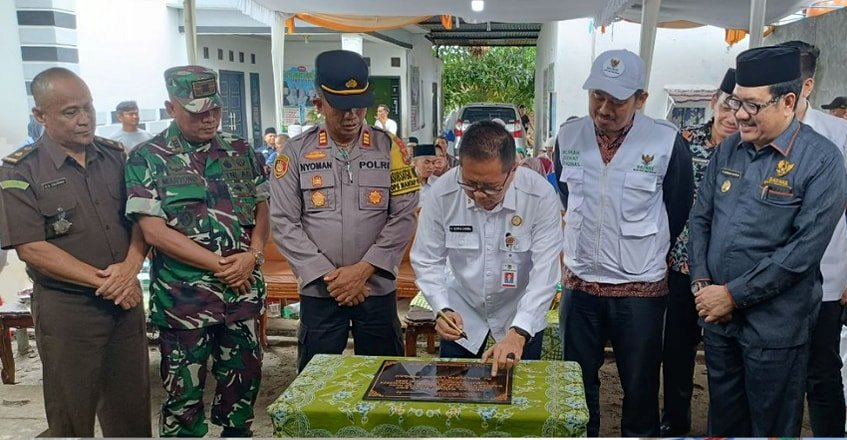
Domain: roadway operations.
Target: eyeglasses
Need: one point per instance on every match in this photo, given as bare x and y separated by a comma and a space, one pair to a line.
751, 108
489, 191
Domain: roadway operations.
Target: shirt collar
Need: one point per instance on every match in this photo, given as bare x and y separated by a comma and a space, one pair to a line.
59, 156
785, 140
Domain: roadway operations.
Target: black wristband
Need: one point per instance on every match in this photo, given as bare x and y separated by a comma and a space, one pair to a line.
521, 332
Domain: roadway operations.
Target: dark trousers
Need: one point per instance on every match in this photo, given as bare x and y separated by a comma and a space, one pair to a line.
824, 390
754, 392
682, 334
450, 349
325, 326
95, 361
634, 325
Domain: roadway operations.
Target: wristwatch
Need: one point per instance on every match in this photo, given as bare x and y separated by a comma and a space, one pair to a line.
521, 332
700, 284
258, 255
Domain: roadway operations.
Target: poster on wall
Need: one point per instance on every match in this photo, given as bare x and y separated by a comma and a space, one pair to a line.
298, 84
415, 116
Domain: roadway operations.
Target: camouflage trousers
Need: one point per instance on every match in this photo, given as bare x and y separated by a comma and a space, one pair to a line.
237, 367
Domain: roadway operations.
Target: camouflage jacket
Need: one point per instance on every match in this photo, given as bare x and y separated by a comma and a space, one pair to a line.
208, 192
699, 139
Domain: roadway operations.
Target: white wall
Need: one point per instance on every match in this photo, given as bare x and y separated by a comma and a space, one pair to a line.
430, 69
14, 113
380, 53
681, 57
545, 53
124, 48
261, 46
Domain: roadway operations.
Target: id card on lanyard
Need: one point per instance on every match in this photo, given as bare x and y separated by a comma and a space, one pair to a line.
509, 271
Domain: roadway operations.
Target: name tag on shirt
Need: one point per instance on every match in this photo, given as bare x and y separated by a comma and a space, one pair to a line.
461, 228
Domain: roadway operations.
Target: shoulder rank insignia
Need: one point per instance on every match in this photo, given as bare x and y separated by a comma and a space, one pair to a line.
783, 167
366, 138
323, 139
109, 143
19, 155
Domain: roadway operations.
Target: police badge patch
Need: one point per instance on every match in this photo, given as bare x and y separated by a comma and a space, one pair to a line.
280, 166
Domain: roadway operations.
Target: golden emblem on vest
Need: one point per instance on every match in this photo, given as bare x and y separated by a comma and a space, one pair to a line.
783, 167
517, 220
647, 158
351, 83
318, 199
375, 197
317, 181
725, 186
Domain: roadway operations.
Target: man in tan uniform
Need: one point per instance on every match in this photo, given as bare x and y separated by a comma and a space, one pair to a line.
61, 209
343, 199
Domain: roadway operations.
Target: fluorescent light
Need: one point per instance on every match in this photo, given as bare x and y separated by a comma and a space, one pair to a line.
477, 5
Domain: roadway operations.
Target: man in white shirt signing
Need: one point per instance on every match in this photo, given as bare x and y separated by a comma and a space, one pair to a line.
486, 252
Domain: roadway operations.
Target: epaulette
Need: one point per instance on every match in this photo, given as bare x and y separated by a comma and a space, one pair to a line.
20, 154
115, 145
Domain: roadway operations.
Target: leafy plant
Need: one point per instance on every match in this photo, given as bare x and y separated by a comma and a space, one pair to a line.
487, 74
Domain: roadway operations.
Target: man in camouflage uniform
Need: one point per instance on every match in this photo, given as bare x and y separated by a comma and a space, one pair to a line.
343, 199
200, 198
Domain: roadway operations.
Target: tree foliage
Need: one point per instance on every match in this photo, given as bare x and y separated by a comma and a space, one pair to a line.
487, 74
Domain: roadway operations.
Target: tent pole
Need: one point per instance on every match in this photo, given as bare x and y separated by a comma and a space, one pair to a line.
277, 57
189, 13
649, 23
757, 21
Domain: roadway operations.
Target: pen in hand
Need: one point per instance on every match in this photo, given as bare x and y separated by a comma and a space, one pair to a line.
452, 324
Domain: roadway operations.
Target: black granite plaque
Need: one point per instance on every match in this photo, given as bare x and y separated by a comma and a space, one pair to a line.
440, 381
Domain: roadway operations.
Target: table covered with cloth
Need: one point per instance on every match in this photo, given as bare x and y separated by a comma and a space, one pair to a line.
325, 400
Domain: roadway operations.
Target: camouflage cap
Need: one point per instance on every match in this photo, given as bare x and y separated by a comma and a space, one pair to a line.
195, 88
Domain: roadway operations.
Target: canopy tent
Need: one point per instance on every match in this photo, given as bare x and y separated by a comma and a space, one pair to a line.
734, 14
729, 14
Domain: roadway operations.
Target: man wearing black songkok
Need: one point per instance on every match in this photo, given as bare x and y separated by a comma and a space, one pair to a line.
765, 212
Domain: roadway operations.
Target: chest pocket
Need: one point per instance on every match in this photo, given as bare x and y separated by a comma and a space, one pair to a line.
243, 196
318, 191
638, 192
462, 241
373, 190
520, 250
61, 216
186, 209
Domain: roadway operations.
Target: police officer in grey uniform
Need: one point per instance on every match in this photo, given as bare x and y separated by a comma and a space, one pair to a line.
765, 212
343, 199
61, 209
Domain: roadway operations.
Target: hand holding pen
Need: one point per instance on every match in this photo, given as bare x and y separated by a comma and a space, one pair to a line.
449, 325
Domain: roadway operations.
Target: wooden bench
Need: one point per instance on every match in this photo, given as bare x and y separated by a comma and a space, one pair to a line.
11, 316
281, 282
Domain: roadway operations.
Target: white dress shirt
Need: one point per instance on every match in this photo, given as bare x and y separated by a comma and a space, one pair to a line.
389, 126
460, 251
834, 261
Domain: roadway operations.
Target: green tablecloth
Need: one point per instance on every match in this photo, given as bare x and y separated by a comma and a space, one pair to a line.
325, 400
